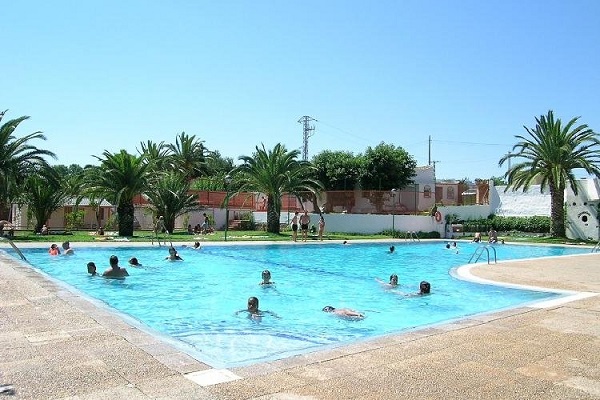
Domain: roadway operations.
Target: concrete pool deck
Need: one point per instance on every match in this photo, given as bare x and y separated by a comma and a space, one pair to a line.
55, 344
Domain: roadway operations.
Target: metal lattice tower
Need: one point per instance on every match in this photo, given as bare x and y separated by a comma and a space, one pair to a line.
308, 132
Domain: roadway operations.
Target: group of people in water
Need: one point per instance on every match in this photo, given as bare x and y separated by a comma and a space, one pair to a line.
254, 312
54, 250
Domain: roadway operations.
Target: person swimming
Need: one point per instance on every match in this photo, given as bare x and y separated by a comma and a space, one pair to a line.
344, 312
253, 310
134, 262
173, 256
53, 250
391, 284
266, 278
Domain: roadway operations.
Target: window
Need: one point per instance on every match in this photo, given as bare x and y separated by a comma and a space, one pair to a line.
427, 191
450, 193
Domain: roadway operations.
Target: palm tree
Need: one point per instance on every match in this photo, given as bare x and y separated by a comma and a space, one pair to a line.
169, 194
157, 154
550, 154
44, 195
274, 173
18, 159
123, 177
189, 156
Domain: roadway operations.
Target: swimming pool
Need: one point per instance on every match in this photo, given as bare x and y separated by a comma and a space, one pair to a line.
195, 301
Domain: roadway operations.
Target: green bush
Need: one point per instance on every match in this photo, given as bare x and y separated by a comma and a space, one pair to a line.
506, 224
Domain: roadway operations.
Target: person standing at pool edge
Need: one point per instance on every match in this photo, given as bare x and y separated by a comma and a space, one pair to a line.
304, 222
321, 226
295, 226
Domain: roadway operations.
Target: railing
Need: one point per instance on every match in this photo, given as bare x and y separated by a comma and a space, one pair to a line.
15, 247
479, 251
596, 248
412, 235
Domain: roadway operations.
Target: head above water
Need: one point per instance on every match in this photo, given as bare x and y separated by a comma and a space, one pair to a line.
425, 287
328, 309
392, 248
134, 261
113, 260
393, 279
266, 274
252, 304
66, 245
91, 267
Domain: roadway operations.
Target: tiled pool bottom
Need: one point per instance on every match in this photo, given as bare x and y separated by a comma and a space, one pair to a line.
442, 362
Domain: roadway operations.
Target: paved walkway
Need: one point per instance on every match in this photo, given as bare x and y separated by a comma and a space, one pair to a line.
57, 345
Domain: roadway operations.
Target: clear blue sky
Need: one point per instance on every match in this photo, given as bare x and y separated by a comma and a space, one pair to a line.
106, 75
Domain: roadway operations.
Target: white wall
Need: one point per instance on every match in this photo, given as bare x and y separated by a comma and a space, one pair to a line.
532, 202
368, 223
582, 210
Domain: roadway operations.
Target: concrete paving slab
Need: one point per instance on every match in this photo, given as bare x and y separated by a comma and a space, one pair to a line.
55, 344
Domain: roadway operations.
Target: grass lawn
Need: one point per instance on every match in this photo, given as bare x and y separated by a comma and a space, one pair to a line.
238, 236
218, 236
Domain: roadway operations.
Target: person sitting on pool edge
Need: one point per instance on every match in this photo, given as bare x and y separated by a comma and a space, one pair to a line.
266, 278
173, 256
391, 284
344, 312
253, 310
114, 271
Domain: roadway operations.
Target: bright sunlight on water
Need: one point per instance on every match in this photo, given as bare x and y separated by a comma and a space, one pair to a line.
195, 300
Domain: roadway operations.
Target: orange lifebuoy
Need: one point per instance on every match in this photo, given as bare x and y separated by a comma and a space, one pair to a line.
438, 216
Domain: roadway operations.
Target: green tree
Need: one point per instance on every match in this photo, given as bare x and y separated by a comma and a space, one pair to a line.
44, 195
169, 194
387, 167
18, 159
189, 156
550, 154
273, 173
122, 177
157, 155
338, 170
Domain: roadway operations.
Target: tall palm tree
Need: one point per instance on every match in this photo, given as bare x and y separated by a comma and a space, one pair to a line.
274, 173
550, 154
189, 155
123, 177
18, 159
169, 194
157, 154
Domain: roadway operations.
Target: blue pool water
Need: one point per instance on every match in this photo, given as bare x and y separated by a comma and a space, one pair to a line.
195, 300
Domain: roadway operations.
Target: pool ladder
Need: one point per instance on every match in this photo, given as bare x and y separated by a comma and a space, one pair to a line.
596, 248
412, 235
479, 251
14, 247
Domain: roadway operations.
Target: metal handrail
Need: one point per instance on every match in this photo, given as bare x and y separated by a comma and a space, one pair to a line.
412, 235
15, 247
479, 251
596, 248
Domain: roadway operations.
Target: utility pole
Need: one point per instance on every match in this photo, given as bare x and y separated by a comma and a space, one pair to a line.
308, 131
430, 153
